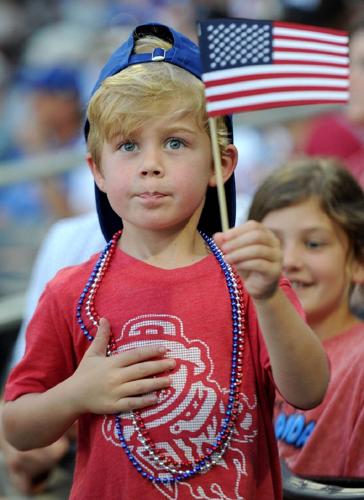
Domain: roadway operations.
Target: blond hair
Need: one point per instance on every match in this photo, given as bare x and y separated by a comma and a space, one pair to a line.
141, 92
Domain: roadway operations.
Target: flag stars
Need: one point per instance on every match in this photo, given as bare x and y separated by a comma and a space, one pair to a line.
234, 44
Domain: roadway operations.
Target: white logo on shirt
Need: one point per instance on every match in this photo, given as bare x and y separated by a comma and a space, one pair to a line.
188, 415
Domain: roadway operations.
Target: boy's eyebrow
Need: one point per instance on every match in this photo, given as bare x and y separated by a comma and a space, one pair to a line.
169, 129
177, 128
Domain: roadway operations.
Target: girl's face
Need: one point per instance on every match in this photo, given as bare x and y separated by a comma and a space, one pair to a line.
317, 261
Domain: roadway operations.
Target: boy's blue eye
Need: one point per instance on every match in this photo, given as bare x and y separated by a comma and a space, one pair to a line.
174, 143
128, 147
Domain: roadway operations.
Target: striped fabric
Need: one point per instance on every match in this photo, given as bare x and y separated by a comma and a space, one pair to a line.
249, 65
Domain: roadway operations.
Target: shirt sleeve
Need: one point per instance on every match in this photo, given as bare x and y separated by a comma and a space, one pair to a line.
49, 356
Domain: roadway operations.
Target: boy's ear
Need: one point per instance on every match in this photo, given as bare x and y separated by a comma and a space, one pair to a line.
96, 172
229, 160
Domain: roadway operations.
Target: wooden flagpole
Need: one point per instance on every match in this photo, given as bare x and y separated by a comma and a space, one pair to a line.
219, 177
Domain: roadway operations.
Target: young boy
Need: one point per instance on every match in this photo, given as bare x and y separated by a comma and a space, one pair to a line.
156, 346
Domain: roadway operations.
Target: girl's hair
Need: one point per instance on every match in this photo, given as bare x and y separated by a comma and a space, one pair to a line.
339, 194
143, 92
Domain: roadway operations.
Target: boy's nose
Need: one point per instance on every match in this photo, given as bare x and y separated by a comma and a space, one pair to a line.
157, 171
151, 164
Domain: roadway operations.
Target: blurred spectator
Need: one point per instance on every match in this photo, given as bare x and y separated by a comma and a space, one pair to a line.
328, 13
54, 124
4, 76
55, 97
254, 9
44, 115
340, 133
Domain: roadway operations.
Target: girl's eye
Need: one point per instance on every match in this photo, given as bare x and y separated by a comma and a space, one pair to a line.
174, 143
313, 244
128, 147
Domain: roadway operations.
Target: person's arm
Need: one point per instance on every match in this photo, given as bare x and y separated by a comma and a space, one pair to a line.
28, 470
299, 363
100, 385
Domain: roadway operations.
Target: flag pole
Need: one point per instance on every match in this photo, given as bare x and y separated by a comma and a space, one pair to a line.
219, 177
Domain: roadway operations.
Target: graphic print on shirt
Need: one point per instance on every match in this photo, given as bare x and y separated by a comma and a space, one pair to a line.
293, 429
189, 414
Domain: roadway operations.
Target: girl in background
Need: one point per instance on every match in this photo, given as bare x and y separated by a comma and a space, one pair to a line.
316, 209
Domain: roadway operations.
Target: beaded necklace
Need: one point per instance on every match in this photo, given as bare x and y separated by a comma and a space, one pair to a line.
171, 471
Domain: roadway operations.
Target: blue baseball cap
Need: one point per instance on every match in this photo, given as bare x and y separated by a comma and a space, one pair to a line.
185, 54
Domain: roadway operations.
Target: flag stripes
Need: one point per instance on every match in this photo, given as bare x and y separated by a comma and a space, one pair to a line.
256, 64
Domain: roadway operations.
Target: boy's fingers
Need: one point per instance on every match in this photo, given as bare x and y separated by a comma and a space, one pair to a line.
145, 386
140, 354
101, 340
139, 402
147, 369
254, 252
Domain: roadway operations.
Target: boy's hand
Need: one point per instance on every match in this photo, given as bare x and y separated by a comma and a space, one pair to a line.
256, 254
122, 382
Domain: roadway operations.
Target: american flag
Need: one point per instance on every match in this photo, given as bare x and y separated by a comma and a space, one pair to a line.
249, 65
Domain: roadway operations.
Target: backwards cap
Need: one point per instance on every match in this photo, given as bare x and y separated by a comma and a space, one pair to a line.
185, 54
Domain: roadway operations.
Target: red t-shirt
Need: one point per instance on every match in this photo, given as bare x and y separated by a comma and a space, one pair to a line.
329, 439
187, 309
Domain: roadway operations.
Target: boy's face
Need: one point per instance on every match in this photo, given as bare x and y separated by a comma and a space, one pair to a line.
156, 178
315, 260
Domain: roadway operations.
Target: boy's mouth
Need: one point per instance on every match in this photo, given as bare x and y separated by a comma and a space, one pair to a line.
150, 195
